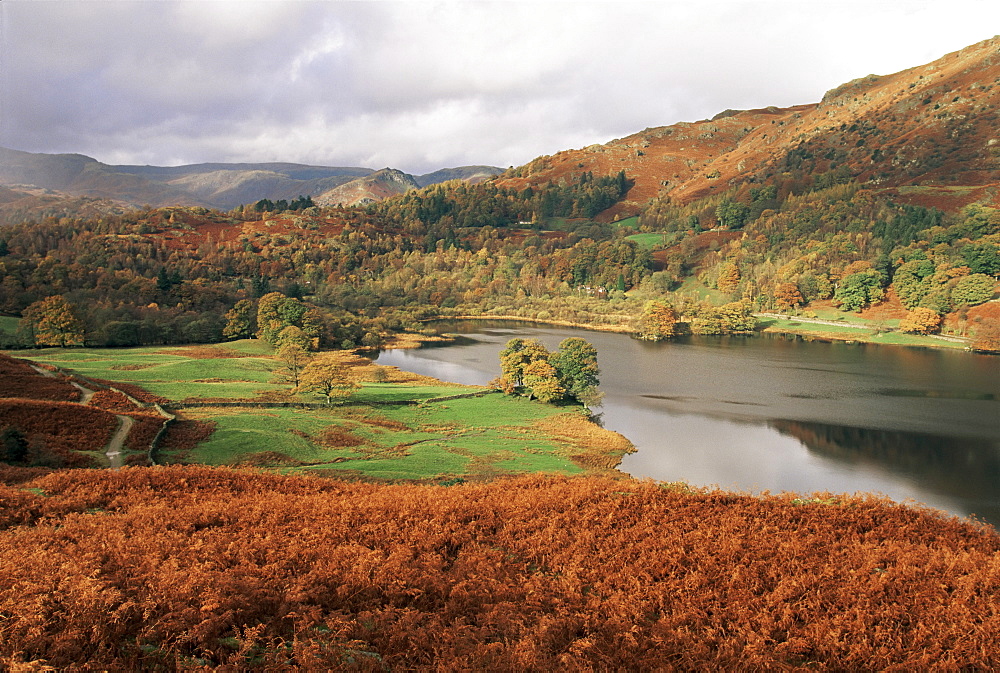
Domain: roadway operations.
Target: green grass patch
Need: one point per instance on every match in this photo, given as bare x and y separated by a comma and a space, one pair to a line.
840, 316
366, 436
627, 222
398, 392
694, 287
479, 436
165, 371
846, 333
247, 347
651, 240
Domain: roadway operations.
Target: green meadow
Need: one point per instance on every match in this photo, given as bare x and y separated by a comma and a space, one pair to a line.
861, 334
384, 431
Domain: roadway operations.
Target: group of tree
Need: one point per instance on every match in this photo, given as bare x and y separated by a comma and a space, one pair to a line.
282, 205
660, 319
463, 249
527, 367
320, 373
459, 204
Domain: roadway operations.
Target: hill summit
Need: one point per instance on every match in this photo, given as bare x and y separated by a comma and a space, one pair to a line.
932, 126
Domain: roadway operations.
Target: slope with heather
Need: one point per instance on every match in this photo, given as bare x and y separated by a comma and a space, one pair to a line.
193, 567
932, 126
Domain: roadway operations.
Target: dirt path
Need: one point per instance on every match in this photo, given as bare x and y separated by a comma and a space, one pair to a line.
86, 393
114, 448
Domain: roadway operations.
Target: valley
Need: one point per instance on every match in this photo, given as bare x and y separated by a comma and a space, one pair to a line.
791, 303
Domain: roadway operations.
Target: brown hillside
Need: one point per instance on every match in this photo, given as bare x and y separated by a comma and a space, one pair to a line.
927, 133
362, 191
166, 568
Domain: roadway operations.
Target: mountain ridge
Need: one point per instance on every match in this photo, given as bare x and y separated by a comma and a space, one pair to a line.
886, 130
925, 133
211, 185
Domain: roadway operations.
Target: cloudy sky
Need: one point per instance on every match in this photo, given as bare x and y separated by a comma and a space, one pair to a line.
420, 85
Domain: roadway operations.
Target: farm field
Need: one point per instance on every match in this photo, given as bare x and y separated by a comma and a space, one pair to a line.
394, 428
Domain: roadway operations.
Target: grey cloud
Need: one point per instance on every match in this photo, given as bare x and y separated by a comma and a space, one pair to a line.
419, 85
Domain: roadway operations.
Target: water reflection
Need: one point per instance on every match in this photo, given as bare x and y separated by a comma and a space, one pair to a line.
966, 469
780, 414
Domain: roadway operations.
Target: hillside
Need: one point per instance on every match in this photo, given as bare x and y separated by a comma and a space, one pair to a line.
931, 126
369, 189
66, 178
148, 568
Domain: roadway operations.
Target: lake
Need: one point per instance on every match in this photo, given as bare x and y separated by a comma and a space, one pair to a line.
776, 412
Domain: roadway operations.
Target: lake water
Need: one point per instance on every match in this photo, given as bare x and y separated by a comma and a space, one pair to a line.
777, 413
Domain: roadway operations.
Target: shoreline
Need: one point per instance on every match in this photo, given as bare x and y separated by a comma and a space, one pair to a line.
858, 334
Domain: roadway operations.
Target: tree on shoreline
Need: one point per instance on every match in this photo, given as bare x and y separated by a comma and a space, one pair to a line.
528, 368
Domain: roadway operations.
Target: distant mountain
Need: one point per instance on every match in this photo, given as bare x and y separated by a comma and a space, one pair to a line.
212, 185
928, 133
374, 187
473, 174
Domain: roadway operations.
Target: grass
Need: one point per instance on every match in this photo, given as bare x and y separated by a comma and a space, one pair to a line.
627, 222
471, 437
369, 436
693, 286
169, 372
651, 240
823, 313
866, 335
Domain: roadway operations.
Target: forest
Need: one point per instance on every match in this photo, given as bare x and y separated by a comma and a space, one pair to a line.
180, 275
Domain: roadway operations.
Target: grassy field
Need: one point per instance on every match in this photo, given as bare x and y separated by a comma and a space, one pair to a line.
238, 369
475, 437
865, 335
370, 436
650, 240
627, 222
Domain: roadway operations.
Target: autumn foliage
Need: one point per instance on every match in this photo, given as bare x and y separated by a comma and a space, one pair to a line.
19, 379
62, 429
190, 567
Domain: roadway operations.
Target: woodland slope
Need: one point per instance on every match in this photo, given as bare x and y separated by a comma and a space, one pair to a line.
929, 125
878, 205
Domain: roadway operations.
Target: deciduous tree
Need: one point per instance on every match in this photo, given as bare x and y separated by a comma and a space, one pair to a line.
858, 290
658, 321
787, 296
729, 277
53, 322
328, 377
517, 354
542, 381
986, 337
921, 320
239, 321
973, 289
576, 368
295, 358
